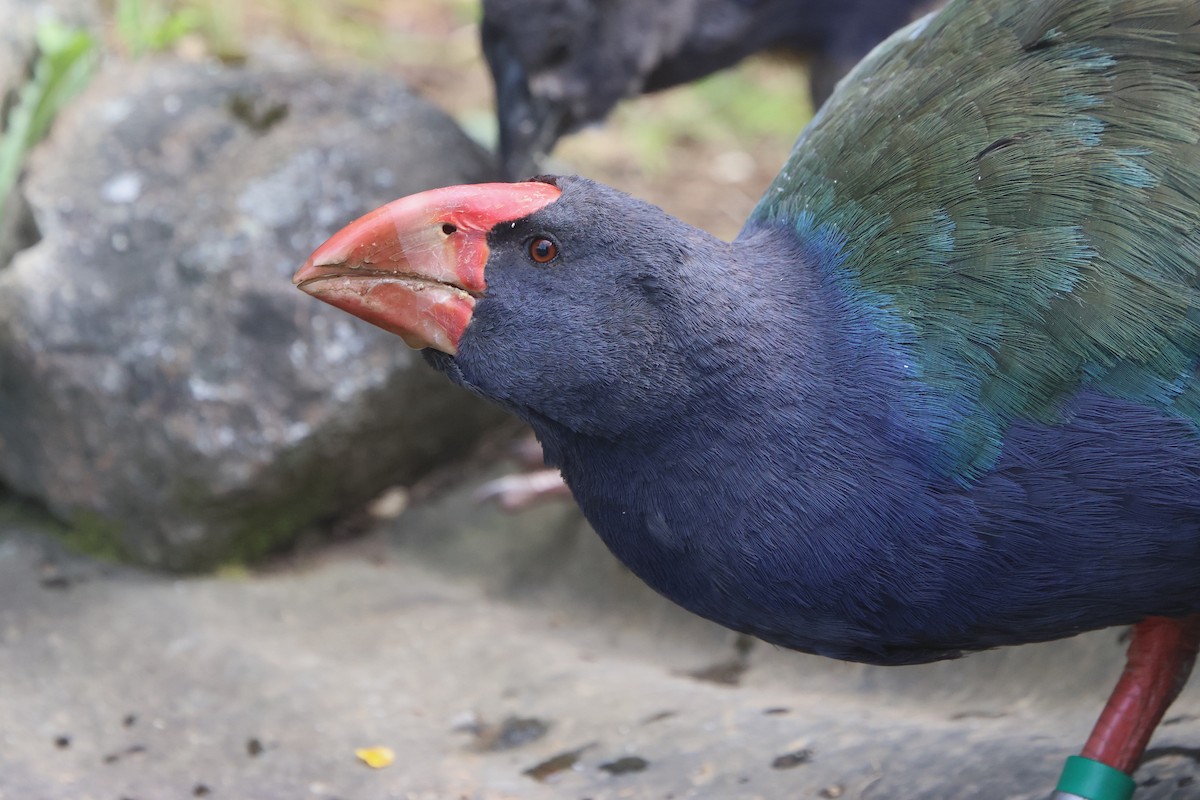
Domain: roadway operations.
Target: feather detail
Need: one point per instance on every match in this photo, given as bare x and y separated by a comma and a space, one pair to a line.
1016, 191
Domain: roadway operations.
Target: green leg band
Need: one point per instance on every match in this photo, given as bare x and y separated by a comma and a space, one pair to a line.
1092, 780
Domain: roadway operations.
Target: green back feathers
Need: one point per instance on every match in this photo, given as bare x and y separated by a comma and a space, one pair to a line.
1015, 187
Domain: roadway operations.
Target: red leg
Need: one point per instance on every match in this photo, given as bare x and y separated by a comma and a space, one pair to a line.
1157, 666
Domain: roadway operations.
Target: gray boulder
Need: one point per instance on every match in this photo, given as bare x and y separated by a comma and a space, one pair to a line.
163, 387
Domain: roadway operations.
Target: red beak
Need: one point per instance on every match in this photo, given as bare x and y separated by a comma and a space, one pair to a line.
415, 266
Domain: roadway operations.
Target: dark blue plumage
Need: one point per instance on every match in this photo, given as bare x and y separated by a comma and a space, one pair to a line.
941, 394
776, 467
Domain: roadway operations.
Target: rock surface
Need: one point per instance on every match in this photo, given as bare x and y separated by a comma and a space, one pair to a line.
162, 385
498, 658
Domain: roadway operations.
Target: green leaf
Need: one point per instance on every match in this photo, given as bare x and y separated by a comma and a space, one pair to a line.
147, 27
64, 64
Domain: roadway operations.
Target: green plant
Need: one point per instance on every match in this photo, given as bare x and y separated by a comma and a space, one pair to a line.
146, 26
63, 65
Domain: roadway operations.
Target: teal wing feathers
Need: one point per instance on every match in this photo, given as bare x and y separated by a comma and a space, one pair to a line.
1013, 190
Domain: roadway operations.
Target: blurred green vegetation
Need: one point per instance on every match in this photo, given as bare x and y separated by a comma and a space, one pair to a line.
146, 26
738, 107
63, 64
367, 30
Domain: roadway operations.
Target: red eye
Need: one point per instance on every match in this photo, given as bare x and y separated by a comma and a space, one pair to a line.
543, 250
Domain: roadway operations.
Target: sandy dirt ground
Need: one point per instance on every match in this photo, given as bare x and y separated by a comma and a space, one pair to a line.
495, 656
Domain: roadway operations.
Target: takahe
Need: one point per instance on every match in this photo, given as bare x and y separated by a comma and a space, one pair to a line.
559, 65
940, 394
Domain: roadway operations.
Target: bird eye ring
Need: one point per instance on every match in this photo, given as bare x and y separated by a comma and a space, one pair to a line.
543, 250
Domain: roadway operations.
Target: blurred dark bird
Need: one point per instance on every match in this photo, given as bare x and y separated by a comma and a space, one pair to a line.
940, 394
559, 65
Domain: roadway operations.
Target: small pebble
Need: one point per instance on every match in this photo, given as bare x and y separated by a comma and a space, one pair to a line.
389, 505
546, 770
625, 765
792, 760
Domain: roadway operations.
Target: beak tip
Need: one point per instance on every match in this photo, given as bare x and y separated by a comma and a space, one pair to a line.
302, 280
332, 254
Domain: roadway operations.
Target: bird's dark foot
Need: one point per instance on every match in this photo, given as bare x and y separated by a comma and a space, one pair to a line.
523, 489
1158, 663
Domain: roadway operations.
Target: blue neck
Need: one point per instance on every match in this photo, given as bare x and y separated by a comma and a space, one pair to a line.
800, 430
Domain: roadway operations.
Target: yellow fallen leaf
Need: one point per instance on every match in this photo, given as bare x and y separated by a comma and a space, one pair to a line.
376, 757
